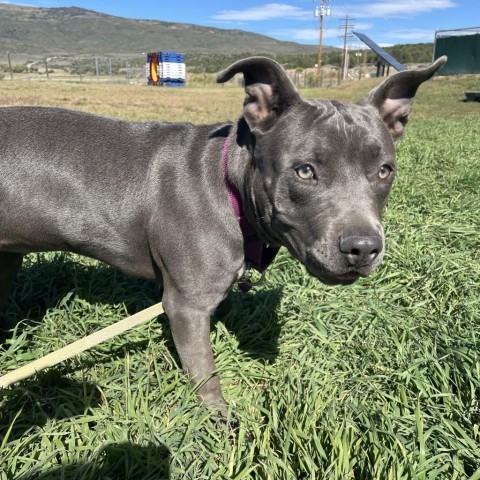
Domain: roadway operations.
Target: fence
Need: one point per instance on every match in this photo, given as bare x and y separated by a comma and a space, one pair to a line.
78, 69
131, 70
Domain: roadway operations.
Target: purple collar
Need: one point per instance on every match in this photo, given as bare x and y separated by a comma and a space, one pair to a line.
257, 254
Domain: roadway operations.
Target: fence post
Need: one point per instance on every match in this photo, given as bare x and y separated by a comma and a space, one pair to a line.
96, 69
46, 69
127, 65
10, 66
79, 66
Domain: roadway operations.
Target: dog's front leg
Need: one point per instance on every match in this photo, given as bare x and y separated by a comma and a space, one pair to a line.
190, 324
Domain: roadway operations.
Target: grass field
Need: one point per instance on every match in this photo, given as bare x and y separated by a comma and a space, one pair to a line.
380, 380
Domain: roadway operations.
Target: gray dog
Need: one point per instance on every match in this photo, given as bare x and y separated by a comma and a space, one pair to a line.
194, 207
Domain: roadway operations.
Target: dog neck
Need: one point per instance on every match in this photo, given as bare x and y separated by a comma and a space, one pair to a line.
258, 255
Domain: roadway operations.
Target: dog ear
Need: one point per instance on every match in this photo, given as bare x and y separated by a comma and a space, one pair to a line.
394, 97
269, 90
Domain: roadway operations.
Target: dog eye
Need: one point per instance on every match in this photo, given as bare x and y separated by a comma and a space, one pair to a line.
305, 172
385, 171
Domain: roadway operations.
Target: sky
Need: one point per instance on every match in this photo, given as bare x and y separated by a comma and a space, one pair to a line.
386, 22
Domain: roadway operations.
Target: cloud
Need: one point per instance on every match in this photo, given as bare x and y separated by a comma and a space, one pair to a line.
376, 9
269, 11
303, 34
399, 8
414, 34
363, 26
33, 3
312, 34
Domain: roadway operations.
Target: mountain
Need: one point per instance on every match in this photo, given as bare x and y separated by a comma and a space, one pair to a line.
73, 30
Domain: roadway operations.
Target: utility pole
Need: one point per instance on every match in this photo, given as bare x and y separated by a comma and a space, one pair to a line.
346, 36
321, 11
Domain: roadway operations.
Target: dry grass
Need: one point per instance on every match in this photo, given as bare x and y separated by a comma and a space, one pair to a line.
215, 104
133, 102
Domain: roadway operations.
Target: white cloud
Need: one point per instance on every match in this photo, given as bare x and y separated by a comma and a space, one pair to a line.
269, 11
420, 35
375, 9
363, 26
312, 34
398, 8
302, 34
34, 3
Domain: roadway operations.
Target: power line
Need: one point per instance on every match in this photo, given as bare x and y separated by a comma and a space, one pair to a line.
321, 10
347, 36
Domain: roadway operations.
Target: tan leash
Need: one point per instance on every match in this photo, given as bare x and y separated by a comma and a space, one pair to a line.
80, 345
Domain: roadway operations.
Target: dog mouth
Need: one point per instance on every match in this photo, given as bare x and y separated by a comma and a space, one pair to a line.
341, 276
342, 279
331, 278
330, 270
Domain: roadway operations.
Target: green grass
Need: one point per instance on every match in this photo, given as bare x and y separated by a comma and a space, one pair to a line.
380, 380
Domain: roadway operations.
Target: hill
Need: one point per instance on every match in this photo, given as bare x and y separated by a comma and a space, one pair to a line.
59, 31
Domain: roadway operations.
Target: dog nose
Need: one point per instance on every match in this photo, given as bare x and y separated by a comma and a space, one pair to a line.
360, 250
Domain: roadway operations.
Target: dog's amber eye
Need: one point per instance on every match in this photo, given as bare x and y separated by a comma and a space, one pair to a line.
385, 171
305, 172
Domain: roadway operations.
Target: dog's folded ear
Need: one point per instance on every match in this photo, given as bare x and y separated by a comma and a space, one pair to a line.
394, 97
269, 90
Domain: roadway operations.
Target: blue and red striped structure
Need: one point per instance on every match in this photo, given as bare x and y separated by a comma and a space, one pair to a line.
166, 69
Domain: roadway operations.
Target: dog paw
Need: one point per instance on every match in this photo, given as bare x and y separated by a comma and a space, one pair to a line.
219, 407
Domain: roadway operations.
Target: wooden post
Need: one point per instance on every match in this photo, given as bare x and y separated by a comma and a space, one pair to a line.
46, 69
96, 68
10, 66
79, 67
320, 43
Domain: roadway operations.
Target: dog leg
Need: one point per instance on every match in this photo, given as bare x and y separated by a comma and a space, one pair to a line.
190, 324
9, 266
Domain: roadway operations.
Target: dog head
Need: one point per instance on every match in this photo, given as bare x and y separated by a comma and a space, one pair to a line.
321, 171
